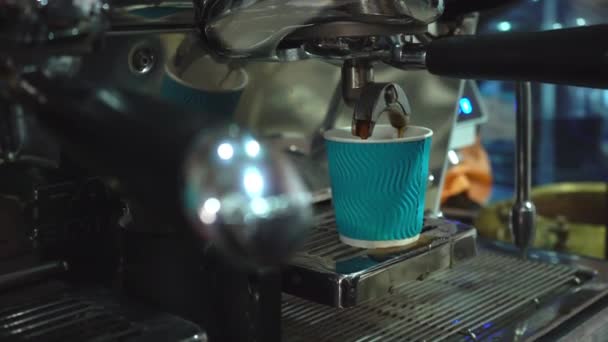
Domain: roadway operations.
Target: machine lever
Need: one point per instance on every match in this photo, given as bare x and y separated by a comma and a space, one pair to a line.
574, 56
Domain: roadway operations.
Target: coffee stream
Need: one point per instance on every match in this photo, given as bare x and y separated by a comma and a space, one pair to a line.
363, 128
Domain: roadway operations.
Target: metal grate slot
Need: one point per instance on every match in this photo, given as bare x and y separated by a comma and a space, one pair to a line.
86, 328
64, 319
43, 318
335, 250
479, 292
16, 312
349, 254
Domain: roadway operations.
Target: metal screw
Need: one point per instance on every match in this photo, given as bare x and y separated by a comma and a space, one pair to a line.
142, 61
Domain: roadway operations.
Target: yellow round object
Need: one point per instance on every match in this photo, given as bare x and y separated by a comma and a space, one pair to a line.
572, 217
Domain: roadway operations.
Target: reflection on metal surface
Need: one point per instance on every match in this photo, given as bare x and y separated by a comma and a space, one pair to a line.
294, 110
332, 273
290, 101
33, 21
32, 29
548, 318
490, 297
190, 62
409, 56
146, 17
355, 75
571, 218
113, 64
255, 29
245, 197
196, 338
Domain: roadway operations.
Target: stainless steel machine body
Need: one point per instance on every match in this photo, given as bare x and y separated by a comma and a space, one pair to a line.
493, 297
329, 272
255, 29
303, 98
442, 289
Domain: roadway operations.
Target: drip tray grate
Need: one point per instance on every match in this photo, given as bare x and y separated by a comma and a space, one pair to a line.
67, 316
62, 319
453, 303
329, 272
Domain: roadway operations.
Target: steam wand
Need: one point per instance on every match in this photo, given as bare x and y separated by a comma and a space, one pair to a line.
523, 212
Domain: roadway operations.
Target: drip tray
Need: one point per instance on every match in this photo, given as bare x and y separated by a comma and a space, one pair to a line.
329, 272
65, 315
475, 301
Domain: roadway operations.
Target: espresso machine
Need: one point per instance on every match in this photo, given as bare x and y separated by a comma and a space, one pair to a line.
127, 217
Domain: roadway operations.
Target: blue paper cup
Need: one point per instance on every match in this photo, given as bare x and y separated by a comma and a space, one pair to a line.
205, 86
379, 184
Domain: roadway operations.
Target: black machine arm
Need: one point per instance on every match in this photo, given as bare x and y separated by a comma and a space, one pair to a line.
457, 8
574, 56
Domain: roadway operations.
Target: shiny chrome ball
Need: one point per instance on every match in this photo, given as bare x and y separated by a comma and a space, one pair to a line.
245, 198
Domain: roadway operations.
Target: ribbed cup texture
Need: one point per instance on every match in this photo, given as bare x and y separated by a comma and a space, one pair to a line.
378, 189
213, 103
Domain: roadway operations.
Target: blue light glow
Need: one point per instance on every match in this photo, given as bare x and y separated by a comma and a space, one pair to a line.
252, 148
465, 106
504, 26
487, 325
225, 151
253, 182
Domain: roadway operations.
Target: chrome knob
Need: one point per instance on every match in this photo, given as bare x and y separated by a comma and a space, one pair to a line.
523, 215
246, 198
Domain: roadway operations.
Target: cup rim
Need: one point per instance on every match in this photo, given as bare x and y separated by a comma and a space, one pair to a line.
169, 71
355, 140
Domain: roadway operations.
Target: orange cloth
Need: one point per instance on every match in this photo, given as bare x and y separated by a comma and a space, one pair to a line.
472, 175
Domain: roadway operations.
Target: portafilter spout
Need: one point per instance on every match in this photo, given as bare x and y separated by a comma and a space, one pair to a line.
377, 99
